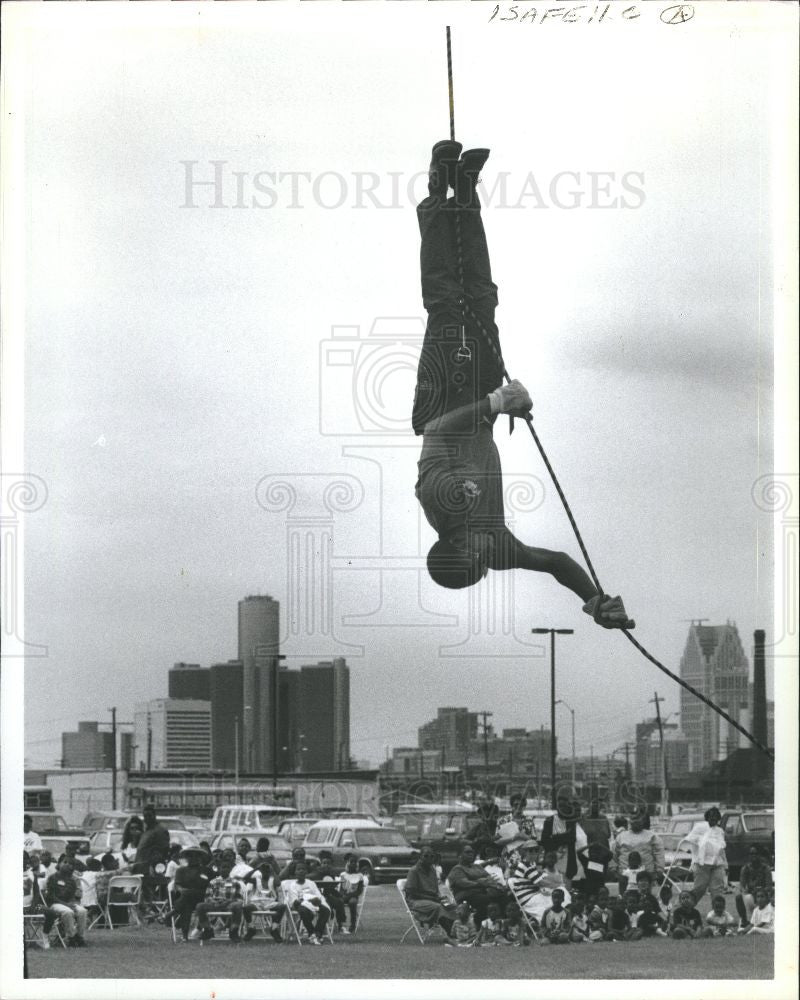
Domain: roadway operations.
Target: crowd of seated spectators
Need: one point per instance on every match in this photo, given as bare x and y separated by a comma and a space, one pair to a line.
509, 890
512, 890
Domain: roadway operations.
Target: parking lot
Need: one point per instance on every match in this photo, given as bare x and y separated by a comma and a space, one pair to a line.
376, 953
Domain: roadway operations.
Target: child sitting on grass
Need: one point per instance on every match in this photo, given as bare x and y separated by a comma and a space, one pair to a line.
463, 930
634, 909
619, 922
650, 921
492, 928
686, 921
515, 929
762, 919
719, 922
579, 920
555, 922
665, 904
599, 916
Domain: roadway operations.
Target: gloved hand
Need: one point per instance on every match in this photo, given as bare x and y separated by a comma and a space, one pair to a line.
513, 398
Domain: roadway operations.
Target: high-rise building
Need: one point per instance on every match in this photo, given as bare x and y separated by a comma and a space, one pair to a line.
289, 745
189, 680
648, 759
451, 730
173, 733
127, 761
324, 716
259, 636
714, 662
88, 747
225, 688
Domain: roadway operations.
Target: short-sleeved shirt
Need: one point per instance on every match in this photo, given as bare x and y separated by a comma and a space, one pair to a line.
554, 921
687, 918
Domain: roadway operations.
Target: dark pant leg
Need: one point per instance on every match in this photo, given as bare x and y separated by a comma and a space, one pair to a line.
441, 288
183, 909
306, 918
478, 900
321, 922
337, 905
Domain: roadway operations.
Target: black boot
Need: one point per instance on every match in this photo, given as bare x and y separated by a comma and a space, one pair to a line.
468, 171
444, 160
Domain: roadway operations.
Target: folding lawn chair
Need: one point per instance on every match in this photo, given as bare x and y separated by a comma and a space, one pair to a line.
264, 915
33, 930
170, 904
525, 916
422, 930
360, 906
130, 888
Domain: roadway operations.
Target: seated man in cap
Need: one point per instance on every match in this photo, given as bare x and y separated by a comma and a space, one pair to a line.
460, 392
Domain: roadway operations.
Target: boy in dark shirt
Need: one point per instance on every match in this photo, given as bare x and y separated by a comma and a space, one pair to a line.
618, 920
686, 921
191, 883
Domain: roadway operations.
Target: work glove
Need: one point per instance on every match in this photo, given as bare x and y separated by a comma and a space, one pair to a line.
512, 398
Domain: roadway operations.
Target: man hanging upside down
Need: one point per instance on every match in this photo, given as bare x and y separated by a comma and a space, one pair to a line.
460, 392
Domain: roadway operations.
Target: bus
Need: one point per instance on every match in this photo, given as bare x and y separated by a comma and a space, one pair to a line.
39, 799
202, 798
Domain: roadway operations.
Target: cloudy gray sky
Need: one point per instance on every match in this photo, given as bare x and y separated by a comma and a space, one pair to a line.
173, 352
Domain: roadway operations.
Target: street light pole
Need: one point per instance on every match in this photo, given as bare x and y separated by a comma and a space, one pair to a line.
553, 632
572, 713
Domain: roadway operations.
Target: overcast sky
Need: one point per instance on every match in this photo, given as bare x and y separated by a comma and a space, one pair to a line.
173, 352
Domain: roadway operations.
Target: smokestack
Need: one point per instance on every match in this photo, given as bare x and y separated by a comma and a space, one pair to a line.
759, 688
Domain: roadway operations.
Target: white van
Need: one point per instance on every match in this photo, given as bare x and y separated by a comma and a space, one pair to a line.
249, 820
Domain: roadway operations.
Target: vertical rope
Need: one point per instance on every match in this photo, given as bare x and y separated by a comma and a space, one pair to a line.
450, 87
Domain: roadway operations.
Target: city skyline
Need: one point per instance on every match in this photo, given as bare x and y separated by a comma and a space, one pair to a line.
185, 679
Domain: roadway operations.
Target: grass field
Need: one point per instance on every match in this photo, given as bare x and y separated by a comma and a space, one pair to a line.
376, 953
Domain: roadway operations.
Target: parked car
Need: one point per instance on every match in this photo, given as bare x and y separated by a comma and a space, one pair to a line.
744, 829
445, 828
295, 829
111, 840
54, 825
279, 847
58, 846
251, 821
107, 820
201, 828
383, 853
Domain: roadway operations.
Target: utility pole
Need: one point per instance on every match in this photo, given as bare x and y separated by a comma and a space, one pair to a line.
627, 762
572, 713
113, 758
665, 803
149, 744
484, 716
553, 633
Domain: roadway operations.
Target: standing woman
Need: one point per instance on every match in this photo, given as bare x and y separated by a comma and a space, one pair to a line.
709, 861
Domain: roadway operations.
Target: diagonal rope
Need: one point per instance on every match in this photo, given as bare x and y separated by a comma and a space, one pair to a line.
466, 308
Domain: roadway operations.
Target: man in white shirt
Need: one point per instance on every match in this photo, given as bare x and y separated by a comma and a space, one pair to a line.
31, 840
305, 899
